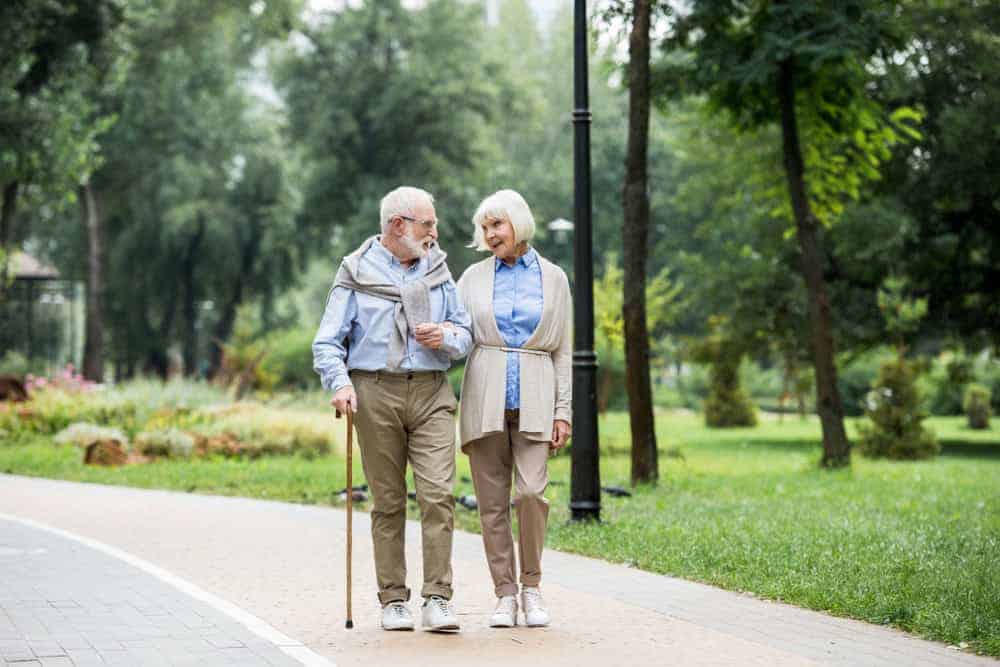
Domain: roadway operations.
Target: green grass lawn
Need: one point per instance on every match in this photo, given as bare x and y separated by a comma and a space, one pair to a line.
914, 545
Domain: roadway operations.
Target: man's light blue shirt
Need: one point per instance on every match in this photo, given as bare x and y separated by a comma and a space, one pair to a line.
517, 307
366, 322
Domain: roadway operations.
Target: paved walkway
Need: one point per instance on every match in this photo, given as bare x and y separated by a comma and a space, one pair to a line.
93, 574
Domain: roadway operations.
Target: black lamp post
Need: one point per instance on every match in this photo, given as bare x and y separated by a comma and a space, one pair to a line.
585, 484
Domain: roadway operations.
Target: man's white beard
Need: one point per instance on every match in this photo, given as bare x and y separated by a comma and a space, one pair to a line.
415, 247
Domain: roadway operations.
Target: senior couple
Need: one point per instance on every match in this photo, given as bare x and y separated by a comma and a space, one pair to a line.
394, 322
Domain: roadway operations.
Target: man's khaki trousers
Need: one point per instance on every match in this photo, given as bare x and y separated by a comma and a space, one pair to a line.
492, 460
408, 417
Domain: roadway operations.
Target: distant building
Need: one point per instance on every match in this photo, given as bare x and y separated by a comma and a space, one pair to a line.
41, 316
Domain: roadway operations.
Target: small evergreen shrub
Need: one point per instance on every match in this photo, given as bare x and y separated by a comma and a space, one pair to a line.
895, 430
727, 403
977, 406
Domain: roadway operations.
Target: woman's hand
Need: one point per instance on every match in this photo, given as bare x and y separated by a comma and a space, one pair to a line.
561, 432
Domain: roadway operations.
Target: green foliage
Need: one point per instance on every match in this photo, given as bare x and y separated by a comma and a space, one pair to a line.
902, 315
727, 404
896, 430
732, 52
455, 375
977, 406
84, 434
945, 383
855, 376
172, 443
289, 358
15, 363
407, 97
58, 61
946, 185
609, 326
52, 410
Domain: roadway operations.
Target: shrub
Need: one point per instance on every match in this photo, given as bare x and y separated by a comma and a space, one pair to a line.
977, 406
893, 407
727, 404
51, 410
257, 430
289, 358
988, 373
946, 382
84, 434
172, 443
855, 378
14, 363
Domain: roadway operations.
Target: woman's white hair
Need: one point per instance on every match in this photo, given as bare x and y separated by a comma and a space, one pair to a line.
402, 202
506, 205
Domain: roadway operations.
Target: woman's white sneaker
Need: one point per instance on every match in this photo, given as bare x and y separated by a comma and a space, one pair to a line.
535, 613
397, 616
505, 615
438, 615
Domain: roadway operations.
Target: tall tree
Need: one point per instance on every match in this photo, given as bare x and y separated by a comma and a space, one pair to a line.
802, 65
635, 236
408, 96
56, 58
946, 187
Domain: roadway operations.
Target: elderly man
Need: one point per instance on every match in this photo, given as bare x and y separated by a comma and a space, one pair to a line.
383, 352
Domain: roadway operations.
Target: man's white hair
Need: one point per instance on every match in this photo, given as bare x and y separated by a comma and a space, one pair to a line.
506, 205
402, 202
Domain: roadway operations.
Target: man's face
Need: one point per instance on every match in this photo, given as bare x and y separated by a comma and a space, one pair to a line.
420, 230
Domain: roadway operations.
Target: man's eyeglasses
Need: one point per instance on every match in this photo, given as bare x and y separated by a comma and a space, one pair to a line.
428, 224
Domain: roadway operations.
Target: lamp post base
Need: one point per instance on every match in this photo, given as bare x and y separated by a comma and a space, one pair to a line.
585, 510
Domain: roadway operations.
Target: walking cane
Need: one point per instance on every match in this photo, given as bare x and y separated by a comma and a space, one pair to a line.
350, 502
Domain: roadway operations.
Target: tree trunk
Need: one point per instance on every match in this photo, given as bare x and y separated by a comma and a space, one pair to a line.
635, 233
189, 341
93, 346
7, 212
224, 328
836, 447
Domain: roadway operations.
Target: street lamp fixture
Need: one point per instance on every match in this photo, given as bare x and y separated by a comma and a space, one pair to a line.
560, 228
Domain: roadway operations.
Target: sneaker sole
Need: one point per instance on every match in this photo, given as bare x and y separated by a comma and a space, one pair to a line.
445, 629
404, 628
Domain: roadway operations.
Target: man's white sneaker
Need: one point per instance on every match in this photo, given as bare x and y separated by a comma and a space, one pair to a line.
397, 616
438, 615
535, 613
505, 615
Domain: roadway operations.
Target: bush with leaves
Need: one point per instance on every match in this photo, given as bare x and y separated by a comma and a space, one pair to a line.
949, 375
977, 406
896, 428
84, 434
170, 443
289, 358
727, 403
855, 375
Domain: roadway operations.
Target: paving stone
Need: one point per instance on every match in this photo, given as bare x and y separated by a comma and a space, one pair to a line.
65, 604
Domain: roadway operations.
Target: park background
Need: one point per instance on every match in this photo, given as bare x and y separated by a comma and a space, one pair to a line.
181, 178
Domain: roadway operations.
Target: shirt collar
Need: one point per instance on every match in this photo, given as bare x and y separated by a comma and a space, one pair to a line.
526, 260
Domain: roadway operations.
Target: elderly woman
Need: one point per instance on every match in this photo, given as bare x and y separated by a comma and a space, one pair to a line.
516, 393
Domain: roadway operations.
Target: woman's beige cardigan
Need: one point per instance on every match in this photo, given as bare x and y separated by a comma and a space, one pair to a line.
546, 379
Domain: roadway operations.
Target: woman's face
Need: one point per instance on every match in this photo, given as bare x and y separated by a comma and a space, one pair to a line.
499, 236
